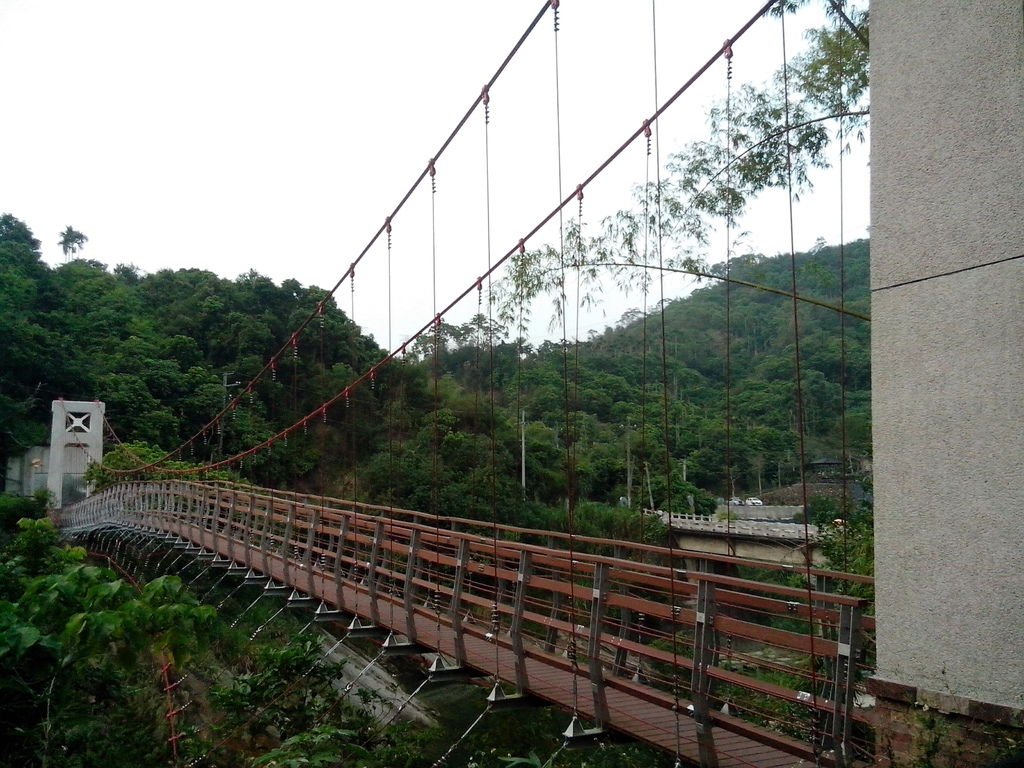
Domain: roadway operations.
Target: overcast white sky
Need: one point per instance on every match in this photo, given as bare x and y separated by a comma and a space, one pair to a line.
276, 136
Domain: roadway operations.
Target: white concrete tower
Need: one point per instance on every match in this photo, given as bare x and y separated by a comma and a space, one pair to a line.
76, 440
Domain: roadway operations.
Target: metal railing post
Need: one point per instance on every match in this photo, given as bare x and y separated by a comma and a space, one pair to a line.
307, 558
597, 607
339, 586
516, 626
704, 649
409, 588
455, 609
371, 571
843, 681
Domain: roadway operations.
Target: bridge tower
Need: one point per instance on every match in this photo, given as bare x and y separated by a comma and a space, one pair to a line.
76, 440
947, 274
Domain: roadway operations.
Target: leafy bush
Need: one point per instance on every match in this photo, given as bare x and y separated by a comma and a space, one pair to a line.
13, 508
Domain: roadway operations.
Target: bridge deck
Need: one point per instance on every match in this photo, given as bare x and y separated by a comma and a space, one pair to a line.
633, 709
449, 590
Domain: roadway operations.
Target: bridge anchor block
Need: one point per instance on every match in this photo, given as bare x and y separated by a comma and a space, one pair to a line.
577, 736
499, 701
254, 579
356, 629
440, 671
273, 588
392, 646
323, 614
298, 600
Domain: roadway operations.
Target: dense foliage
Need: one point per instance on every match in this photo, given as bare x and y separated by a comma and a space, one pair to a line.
163, 351
710, 408
159, 349
78, 651
83, 651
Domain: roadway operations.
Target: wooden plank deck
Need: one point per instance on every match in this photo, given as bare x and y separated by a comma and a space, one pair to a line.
619, 611
648, 718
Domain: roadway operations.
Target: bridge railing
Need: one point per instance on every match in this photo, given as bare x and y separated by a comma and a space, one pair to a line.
839, 580
756, 528
773, 652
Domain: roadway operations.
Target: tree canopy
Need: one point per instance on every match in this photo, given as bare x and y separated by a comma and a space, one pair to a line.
71, 241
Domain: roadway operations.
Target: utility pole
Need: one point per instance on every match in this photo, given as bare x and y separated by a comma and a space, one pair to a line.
650, 491
629, 467
224, 404
522, 450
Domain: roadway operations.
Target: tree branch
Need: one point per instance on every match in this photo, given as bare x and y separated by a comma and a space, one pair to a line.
857, 31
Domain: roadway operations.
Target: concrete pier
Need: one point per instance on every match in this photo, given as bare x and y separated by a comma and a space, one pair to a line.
76, 440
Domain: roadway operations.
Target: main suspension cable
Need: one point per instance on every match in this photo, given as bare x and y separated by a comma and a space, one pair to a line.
349, 273
519, 248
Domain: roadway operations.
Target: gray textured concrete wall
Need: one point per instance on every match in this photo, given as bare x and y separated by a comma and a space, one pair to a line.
26, 474
765, 512
947, 151
773, 551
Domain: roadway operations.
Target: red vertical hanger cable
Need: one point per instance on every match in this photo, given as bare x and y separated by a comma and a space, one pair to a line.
664, 398
799, 394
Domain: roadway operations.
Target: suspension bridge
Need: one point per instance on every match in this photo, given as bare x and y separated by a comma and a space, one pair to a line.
716, 659
613, 632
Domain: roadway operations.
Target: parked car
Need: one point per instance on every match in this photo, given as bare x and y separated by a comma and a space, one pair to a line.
736, 501
753, 501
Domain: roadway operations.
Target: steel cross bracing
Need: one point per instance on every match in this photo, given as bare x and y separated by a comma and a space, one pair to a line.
439, 581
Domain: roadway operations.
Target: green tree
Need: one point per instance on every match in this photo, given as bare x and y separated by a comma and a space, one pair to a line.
79, 649
27, 347
71, 241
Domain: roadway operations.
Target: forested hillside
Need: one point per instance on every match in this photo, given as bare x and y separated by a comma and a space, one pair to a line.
729, 375
730, 359
165, 351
